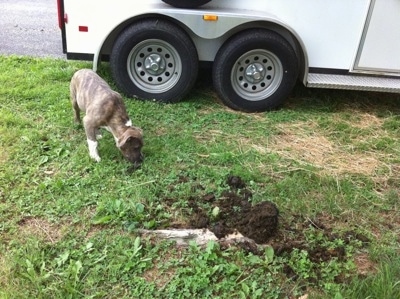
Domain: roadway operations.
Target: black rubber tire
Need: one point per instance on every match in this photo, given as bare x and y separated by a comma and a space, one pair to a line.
255, 71
154, 60
186, 3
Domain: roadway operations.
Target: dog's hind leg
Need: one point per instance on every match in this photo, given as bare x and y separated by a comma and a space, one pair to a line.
74, 102
91, 139
77, 118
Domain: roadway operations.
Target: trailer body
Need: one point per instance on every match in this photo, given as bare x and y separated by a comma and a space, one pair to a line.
260, 45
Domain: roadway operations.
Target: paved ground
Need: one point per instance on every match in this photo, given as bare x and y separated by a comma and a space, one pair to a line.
30, 27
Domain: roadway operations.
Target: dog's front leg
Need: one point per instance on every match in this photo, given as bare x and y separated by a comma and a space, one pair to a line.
91, 139
94, 154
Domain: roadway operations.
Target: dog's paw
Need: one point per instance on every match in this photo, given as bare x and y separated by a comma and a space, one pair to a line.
96, 158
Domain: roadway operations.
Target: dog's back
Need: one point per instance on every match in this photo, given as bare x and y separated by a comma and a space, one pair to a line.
86, 86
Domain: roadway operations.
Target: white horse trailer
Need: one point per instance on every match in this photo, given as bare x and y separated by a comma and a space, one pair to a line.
258, 49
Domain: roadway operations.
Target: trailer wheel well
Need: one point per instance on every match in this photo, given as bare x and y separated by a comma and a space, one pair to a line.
285, 32
110, 39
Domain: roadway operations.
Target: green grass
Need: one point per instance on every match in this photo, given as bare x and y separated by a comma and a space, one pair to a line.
68, 224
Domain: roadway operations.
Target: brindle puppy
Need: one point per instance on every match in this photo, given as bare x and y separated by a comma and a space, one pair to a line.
104, 108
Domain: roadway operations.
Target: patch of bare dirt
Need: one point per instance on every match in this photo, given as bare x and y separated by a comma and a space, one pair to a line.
40, 228
364, 265
152, 275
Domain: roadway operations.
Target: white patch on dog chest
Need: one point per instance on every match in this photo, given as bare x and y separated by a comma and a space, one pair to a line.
128, 123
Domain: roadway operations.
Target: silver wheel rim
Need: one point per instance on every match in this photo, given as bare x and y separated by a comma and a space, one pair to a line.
256, 75
154, 66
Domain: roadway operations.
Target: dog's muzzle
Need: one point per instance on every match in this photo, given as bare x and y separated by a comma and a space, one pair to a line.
139, 162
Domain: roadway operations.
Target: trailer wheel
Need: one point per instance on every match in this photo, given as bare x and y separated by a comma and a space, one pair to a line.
154, 60
255, 71
186, 3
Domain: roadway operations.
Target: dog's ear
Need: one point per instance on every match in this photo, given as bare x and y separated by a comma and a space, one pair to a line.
131, 140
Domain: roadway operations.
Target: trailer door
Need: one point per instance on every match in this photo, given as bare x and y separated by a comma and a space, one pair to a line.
380, 46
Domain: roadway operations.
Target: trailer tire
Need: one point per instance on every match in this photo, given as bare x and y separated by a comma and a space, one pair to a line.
186, 3
255, 71
154, 60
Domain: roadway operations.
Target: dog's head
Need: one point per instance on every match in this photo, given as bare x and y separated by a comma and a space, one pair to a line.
130, 144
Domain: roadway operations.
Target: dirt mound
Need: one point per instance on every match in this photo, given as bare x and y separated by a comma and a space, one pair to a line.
234, 212
313, 241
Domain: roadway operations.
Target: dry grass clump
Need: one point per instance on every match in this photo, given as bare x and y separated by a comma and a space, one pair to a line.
306, 143
3, 155
40, 228
364, 120
299, 141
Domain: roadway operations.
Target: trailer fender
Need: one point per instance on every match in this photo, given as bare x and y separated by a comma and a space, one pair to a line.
209, 24
213, 24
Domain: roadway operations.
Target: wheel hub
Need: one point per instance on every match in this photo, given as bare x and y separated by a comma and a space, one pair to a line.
255, 73
154, 64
